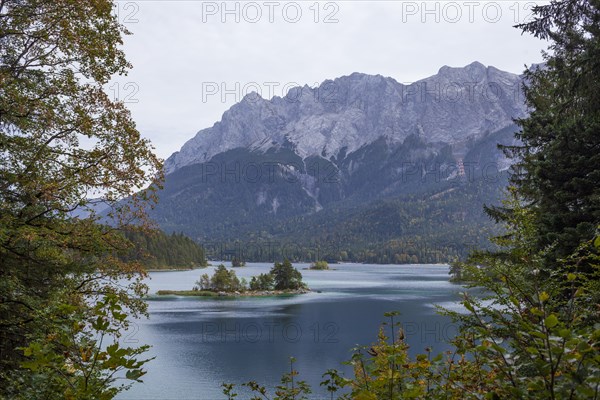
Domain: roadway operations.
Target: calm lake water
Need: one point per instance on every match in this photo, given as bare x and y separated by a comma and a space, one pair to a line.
200, 343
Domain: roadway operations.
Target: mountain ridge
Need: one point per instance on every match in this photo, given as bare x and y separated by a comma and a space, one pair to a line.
357, 109
318, 165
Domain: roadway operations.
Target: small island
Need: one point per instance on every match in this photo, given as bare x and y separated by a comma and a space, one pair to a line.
283, 279
237, 262
320, 265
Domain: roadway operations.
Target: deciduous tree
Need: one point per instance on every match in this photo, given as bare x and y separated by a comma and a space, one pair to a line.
62, 141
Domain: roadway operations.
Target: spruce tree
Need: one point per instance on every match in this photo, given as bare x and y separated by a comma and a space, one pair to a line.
557, 169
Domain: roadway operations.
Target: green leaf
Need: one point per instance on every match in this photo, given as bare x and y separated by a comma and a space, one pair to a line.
468, 306
532, 350
134, 374
551, 321
564, 333
538, 334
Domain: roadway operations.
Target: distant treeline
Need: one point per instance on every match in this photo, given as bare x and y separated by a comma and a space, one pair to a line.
158, 250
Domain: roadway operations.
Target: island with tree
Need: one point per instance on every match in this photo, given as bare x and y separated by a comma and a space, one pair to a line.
282, 279
320, 265
237, 262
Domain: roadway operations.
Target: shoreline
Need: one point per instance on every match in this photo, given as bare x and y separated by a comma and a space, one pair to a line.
173, 269
248, 293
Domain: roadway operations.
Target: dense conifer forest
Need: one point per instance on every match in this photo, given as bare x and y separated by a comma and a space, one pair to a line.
158, 250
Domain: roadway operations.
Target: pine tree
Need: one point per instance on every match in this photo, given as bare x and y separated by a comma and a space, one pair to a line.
558, 164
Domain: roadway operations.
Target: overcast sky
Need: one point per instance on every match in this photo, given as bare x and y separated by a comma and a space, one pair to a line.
193, 59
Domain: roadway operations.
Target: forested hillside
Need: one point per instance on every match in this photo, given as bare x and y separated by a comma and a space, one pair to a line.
158, 250
436, 226
409, 205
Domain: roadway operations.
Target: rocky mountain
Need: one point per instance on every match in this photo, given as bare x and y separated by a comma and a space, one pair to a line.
347, 113
340, 149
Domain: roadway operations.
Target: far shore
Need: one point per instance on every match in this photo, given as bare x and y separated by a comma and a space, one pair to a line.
179, 269
173, 269
247, 293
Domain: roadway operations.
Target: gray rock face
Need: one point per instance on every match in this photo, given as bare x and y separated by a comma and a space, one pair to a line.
453, 107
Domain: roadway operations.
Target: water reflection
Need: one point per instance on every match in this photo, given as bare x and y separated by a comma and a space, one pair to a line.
200, 343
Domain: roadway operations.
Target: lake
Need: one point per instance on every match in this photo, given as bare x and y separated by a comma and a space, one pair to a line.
201, 342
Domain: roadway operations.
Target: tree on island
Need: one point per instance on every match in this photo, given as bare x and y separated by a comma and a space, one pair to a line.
262, 282
223, 280
237, 262
203, 283
283, 276
321, 265
286, 276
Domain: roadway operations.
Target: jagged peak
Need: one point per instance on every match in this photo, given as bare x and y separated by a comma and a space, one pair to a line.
475, 65
362, 77
363, 108
252, 97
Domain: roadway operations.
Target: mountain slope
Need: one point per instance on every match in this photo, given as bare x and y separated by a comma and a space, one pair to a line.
328, 157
